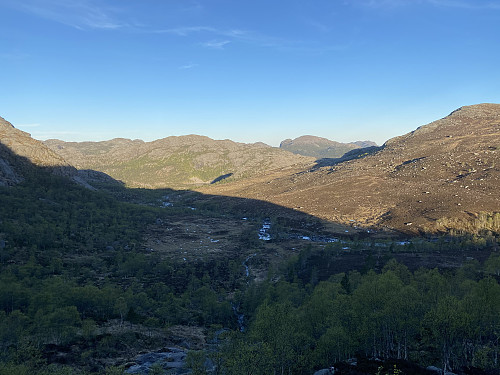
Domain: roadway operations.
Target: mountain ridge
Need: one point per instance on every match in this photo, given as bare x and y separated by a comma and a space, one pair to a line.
425, 180
319, 147
434, 178
176, 161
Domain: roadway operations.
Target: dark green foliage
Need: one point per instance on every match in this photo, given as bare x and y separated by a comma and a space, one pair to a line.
446, 320
196, 362
71, 261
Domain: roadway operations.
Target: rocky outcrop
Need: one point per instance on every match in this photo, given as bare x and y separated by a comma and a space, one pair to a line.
170, 359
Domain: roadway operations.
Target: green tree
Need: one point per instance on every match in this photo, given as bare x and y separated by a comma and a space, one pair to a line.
195, 360
492, 264
58, 326
276, 326
121, 308
447, 323
156, 369
242, 357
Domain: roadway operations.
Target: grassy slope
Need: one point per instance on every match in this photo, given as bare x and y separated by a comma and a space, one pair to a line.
180, 162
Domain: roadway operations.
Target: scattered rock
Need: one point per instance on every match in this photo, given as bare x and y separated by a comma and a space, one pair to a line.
173, 359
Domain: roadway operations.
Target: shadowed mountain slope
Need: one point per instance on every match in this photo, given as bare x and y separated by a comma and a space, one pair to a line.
439, 177
180, 162
318, 147
18, 152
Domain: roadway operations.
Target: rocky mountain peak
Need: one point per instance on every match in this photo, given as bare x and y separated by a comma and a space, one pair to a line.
483, 110
5, 124
461, 124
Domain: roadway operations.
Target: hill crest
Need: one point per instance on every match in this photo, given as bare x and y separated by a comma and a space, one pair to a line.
432, 178
177, 161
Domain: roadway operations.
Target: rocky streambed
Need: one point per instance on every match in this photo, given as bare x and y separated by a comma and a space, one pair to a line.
172, 359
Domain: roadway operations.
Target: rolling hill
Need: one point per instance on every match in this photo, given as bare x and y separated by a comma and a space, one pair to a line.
440, 177
176, 162
443, 176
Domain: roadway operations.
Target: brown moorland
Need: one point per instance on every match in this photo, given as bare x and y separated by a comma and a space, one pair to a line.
440, 177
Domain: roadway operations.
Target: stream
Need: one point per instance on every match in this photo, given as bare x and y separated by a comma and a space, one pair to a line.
241, 317
247, 269
264, 234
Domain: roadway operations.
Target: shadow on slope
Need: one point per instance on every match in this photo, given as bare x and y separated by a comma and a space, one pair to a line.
16, 169
221, 178
215, 226
11, 167
155, 259
358, 153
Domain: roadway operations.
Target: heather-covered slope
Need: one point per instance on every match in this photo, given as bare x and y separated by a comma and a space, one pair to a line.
440, 176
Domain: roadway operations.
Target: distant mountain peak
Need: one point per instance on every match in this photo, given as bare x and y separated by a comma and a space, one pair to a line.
319, 147
364, 144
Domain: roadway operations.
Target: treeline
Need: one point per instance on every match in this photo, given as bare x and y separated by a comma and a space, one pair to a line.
446, 319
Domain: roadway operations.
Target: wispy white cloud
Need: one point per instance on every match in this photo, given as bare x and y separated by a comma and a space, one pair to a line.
216, 44
188, 66
230, 35
184, 31
93, 15
79, 14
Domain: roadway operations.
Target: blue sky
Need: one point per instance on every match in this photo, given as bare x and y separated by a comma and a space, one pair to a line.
245, 70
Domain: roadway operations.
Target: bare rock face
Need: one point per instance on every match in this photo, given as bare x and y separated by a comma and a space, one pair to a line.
431, 179
19, 153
